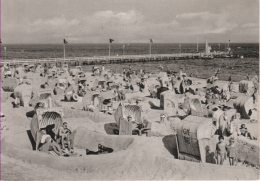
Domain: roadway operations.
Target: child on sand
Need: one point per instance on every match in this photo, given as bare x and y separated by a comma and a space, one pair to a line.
220, 153
232, 151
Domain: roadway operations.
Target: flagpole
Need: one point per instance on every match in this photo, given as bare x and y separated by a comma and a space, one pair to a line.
64, 51
5, 52
197, 45
150, 48
109, 50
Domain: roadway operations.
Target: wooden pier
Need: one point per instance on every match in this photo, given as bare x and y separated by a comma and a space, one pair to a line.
81, 61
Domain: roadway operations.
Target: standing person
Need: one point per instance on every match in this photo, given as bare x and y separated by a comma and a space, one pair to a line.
229, 78
217, 72
247, 77
161, 67
93, 69
223, 123
232, 151
254, 95
141, 85
116, 95
220, 153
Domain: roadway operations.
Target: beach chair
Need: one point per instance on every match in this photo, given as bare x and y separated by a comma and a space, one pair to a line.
124, 110
125, 127
59, 89
9, 84
23, 93
69, 93
194, 107
144, 128
43, 95
195, 141
105, 102
147, 128
46, 118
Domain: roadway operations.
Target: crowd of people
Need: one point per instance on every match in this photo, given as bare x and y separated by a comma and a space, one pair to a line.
224, 151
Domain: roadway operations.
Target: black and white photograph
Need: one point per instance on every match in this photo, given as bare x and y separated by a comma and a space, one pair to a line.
129, 90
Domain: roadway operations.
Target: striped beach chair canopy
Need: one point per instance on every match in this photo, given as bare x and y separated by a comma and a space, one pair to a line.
125, 110
190, 132
39, 95
45, 117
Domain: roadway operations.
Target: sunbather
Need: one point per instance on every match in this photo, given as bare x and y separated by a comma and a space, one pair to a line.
66, 136
53, 146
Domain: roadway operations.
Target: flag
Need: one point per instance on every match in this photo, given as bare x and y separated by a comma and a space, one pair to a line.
151, 40
65, 42
111, 40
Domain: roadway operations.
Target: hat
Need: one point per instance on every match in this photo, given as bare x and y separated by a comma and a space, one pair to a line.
129, 116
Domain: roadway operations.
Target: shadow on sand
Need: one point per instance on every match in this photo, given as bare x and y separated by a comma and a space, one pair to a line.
111, 128
170, 144
29, 133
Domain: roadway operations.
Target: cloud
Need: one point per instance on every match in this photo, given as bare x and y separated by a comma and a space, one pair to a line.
188, 16
205, 22
129, 26
250, 25
130, 17
56, 21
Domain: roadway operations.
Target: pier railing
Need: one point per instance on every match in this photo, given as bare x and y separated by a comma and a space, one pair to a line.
114, 59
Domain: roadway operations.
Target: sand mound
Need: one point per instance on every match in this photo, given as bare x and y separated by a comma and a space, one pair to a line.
20, 147
140, 160
85, 139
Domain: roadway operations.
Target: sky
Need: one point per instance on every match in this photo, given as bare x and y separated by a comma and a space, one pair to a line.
129, 21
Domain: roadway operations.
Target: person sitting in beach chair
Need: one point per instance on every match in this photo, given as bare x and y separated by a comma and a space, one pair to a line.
48, 144
66, 136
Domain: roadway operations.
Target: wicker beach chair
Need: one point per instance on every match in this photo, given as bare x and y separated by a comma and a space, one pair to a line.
44, 96
44, 118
